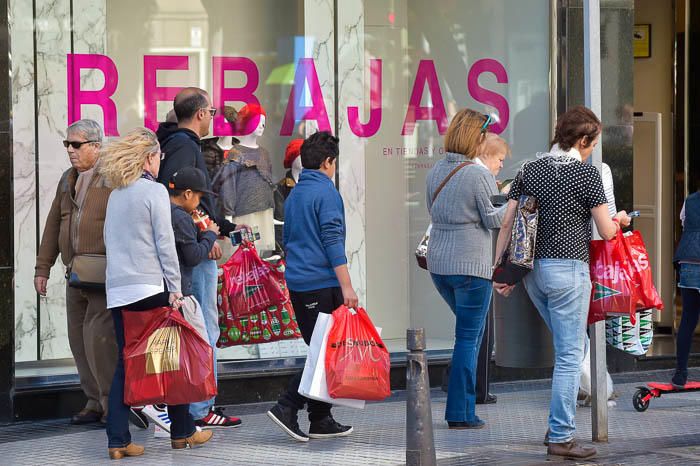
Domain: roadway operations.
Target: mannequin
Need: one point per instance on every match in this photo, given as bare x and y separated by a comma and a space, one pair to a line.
244, 182
216, 149
292, 162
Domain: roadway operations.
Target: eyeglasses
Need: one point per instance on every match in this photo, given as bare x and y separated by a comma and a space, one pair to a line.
75, 144
160, 153
212, 111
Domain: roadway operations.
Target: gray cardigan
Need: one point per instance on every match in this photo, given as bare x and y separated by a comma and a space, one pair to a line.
139, 237
460, 241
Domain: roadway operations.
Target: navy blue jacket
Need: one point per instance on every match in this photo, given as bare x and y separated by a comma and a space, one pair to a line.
689, 246
192, 245
182, 149
314, 233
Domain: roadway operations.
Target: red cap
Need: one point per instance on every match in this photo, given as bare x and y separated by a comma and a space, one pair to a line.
248, 118
292, 152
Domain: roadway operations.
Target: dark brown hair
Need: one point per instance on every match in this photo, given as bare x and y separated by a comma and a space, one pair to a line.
578, 122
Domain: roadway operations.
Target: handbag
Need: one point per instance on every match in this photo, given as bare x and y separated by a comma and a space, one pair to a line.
422, 249
519, 258
87, 271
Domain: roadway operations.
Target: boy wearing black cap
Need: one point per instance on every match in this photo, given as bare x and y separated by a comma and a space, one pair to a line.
193, 243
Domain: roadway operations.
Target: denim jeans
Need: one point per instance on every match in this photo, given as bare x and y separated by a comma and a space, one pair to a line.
204, 290
560, 289
118, 435
469, 298
690, 294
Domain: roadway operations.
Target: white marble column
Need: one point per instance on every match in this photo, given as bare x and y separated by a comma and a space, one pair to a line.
319, 45
24, 172
52, 45
90, 36
353, 76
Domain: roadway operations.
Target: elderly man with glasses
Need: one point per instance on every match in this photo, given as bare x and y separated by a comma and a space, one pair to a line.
74, 230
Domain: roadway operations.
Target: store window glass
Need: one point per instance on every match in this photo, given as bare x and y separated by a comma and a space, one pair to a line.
436, 58
121, 63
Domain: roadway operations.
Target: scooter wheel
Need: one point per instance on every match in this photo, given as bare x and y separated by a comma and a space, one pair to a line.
638, 400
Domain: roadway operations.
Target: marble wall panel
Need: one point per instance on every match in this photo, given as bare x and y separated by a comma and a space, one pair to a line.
352, 90
90, 36
52, 44
23, 128
319, 44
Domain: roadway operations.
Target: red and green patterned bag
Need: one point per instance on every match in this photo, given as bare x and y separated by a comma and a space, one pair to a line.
276, 322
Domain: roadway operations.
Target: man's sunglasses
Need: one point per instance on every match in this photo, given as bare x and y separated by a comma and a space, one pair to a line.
75, 144
212, 111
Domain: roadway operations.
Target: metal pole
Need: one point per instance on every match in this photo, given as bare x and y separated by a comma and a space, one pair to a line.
592, 77
420, 444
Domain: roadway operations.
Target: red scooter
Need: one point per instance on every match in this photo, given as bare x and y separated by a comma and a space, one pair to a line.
643, 395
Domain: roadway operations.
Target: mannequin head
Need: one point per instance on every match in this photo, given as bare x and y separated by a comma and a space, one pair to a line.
292, 159
250, 120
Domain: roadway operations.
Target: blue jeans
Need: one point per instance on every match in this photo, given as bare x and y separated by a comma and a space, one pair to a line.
469, 298
118, 435
204, 290
560, 289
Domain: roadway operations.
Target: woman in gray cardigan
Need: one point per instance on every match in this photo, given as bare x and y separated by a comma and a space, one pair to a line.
142, 270
459, 251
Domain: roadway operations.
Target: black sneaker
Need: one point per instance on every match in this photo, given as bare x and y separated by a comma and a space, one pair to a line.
286, 418
137, 417
328, 428
680, 378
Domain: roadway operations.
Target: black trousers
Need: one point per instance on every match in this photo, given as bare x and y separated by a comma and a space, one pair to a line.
483, 362
307, 305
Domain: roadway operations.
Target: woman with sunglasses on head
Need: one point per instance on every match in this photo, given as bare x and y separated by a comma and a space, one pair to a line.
569, 193
142, 270
459, 189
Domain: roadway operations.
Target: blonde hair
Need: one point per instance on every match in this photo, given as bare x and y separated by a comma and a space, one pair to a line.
464, 134
122, 160
492, 144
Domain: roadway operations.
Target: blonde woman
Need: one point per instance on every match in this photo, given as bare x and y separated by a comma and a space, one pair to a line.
459, 252
142, 270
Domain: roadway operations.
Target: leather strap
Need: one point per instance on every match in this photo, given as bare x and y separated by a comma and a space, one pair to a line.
452, 173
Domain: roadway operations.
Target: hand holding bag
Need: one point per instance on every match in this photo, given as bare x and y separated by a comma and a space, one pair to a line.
87, 271
422, 249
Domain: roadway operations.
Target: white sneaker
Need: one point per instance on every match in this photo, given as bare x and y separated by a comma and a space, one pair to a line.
159, 415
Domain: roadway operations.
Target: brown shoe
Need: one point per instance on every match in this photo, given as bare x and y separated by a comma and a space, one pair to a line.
570, 450
130, 450
198, 438
86, 416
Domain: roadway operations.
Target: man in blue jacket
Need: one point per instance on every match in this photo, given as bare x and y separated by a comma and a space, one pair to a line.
317, 272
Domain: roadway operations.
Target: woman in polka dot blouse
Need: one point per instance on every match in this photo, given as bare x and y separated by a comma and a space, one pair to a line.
569, 193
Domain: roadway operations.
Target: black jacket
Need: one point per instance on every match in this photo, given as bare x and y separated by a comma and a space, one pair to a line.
192, 245
182, 149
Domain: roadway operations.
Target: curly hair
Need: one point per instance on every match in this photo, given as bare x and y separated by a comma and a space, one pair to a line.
121, 161
464, 135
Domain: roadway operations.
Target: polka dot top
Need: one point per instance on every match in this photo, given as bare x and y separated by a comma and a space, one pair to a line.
566, 190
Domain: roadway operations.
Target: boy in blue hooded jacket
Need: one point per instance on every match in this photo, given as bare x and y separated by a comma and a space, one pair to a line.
317, 272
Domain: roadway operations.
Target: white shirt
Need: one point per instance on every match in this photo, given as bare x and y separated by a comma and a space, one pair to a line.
128, 294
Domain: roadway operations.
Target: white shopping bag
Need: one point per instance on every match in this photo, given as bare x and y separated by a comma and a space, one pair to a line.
313, 381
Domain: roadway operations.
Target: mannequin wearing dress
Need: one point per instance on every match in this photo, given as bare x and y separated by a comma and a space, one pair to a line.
244, 183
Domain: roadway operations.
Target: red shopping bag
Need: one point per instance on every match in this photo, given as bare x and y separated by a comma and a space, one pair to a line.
252, 284
648, 297
621, 278
165, 359
275, 323
357, 361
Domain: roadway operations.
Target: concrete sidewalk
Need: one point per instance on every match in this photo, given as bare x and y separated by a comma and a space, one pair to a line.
667, 433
